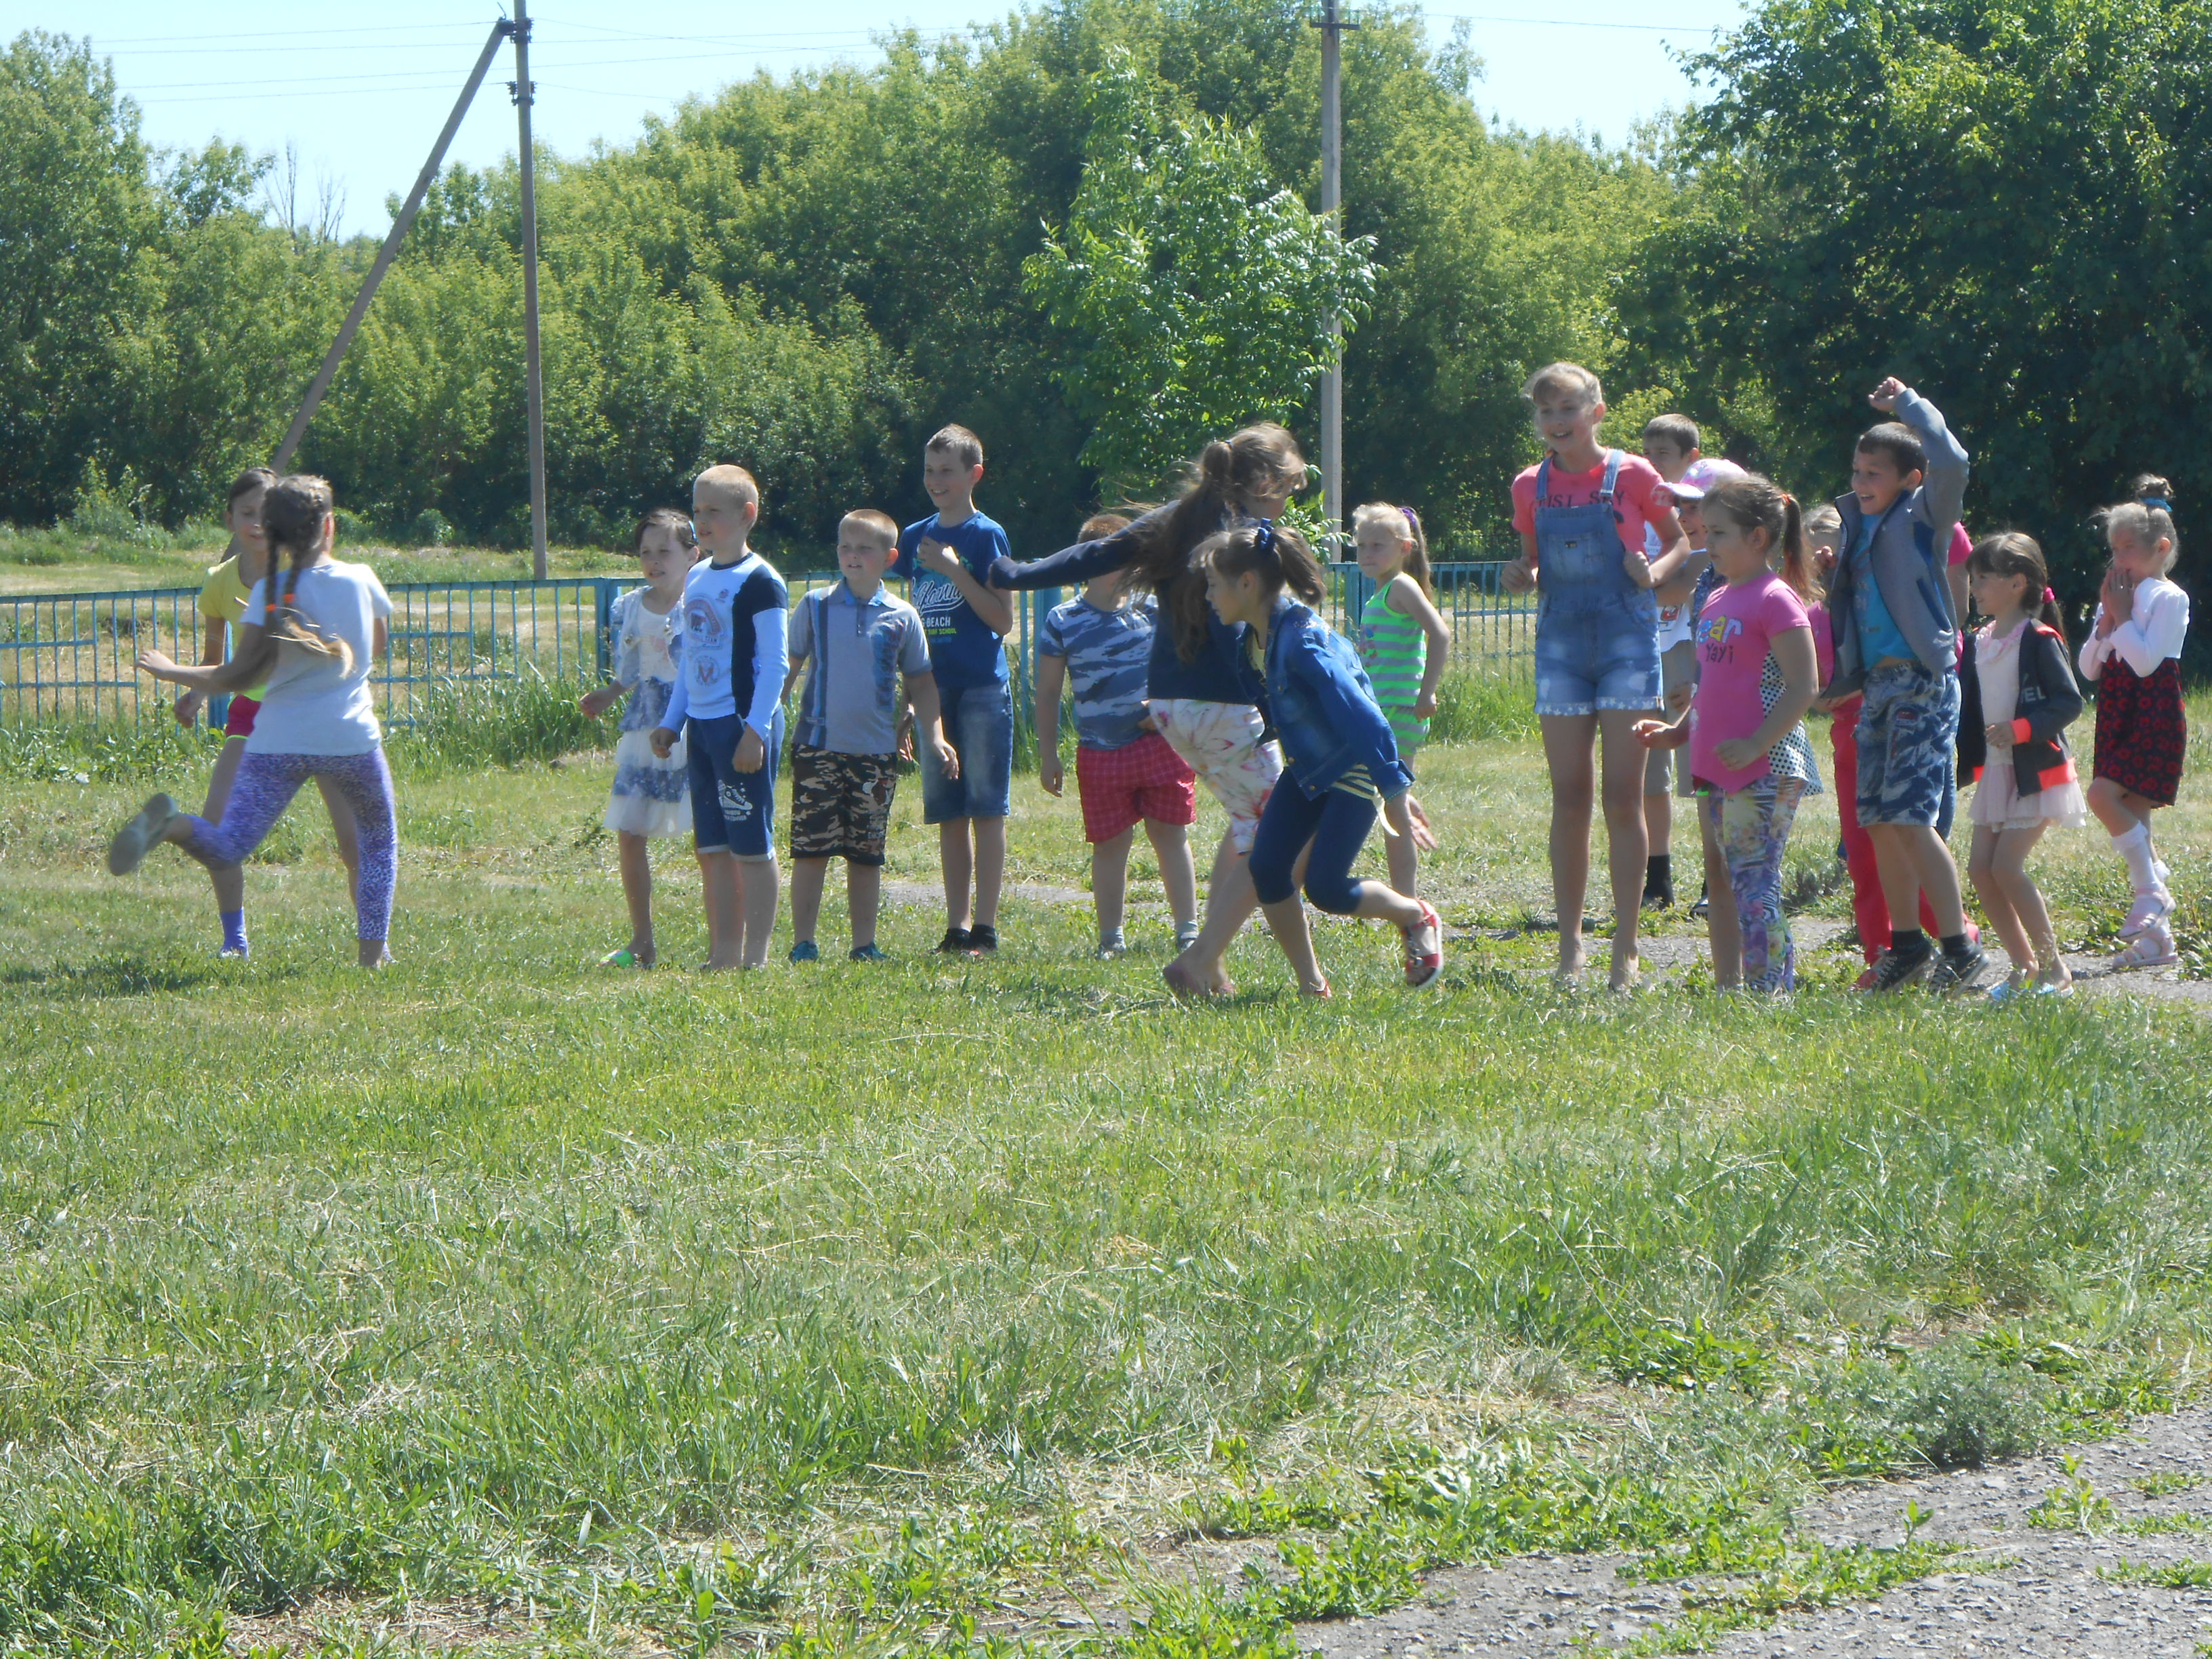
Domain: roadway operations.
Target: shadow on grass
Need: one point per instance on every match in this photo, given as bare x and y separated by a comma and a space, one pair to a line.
117, 976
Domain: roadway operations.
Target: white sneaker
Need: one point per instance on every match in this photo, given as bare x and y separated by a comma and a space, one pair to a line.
141, 835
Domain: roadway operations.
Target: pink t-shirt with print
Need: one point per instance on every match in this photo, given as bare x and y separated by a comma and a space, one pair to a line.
1639, 495
1733, 635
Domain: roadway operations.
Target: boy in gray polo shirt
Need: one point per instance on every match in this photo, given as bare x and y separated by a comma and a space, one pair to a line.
855, 640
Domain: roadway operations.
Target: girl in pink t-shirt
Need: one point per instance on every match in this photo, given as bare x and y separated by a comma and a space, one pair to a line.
1757, 675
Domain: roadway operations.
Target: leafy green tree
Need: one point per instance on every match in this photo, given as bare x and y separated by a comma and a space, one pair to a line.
1200, 293
2008, 203
75, 202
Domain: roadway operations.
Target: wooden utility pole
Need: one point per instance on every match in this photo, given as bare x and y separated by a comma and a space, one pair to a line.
1332, 25
525, 90
386, 254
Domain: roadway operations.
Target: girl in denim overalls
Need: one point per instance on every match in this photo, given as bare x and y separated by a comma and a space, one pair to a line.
1597, 643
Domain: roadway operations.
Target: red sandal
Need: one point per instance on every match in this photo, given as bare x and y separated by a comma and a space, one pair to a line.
1423, 971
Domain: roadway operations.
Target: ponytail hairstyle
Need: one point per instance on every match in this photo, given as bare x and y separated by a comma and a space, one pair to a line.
1281, 556
1405, 524
1261, 459
1751, 502
2015, 553
2147, 518
673, 520
295, 513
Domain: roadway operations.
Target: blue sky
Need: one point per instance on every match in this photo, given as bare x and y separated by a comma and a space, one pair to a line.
361, 92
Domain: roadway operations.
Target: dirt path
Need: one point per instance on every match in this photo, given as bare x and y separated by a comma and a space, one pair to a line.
2024, 1589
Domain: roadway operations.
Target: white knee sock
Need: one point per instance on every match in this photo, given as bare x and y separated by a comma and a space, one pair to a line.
2134, 847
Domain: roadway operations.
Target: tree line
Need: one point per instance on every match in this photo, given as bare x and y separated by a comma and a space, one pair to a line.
2002, 200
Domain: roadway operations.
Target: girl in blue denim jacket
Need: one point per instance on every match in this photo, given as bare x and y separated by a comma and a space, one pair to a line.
1340, 762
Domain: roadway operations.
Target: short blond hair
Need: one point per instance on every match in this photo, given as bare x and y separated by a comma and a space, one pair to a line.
882, 525
1570, 378
729, 480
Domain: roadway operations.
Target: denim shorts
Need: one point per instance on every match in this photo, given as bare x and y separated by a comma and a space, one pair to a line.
732, 812
1908, 728
1605, 657
979, 724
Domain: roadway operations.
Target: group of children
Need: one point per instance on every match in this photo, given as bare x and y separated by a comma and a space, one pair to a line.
1689, 615
1855, 610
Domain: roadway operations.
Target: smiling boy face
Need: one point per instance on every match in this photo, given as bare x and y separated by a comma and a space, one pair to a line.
1876, 481
947, 479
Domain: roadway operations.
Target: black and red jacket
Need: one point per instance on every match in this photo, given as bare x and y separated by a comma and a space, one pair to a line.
2050, 702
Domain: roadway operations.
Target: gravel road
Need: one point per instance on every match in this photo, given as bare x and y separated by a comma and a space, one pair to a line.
2024, 1589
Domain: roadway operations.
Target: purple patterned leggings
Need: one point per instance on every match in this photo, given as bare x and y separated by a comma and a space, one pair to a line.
1752, 827
264, 787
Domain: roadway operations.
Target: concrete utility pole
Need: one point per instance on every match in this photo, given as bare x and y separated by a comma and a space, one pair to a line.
1332, 25
525, 90
386, 254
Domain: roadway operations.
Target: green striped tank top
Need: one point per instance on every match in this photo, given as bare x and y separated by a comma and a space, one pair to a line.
1395, 652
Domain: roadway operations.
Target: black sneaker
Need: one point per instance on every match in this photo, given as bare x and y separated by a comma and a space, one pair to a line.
982, 939
1895, 970
1704, 907
956, 942
1658, 898
1954, 976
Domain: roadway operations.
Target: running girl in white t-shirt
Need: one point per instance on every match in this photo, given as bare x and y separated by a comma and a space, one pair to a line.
311, 629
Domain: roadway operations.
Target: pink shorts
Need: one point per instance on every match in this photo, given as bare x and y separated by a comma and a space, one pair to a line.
1122, 788
1220, 742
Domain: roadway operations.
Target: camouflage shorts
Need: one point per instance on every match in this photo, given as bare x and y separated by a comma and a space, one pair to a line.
841, 805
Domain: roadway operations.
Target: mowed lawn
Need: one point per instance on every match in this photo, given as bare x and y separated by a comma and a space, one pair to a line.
501, 1301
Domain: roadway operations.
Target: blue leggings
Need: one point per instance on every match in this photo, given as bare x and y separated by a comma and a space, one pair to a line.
1337, 824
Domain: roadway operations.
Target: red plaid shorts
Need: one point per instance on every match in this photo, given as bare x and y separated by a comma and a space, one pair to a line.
1119, 787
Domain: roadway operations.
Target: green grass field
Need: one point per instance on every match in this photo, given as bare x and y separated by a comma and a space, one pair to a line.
498, 1302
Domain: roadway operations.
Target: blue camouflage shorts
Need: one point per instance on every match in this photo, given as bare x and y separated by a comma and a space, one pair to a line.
1908, 730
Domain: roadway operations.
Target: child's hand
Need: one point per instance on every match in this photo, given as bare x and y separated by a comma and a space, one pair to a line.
596, 703
1425, 706
156, 664
188, 707
2117, 595
1737, 753
948, 758
936, 556
1680, 697
1648, 732
662, 740
1885, 397
1637, 566
1049, 777
1518, 577
1417, 819
1998, 736
752, 753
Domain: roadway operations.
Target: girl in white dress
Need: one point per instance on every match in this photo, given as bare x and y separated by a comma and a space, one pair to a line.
649, 797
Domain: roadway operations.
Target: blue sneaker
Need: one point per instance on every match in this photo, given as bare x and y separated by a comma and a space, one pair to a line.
804, 952
866, 953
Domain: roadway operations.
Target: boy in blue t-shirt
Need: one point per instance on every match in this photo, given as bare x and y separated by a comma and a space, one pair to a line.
946, 557
731, 693
1125, 772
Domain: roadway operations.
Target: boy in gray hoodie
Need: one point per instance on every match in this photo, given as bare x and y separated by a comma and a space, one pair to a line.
1897, 640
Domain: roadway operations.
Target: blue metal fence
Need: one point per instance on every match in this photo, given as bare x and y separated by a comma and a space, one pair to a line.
73, 656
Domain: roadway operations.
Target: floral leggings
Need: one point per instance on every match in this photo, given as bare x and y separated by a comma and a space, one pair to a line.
264, 788
1752, 827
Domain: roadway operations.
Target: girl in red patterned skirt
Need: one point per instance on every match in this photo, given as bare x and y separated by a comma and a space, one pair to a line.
2132, 655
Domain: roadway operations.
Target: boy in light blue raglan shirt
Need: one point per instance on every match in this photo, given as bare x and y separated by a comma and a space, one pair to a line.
727, 702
